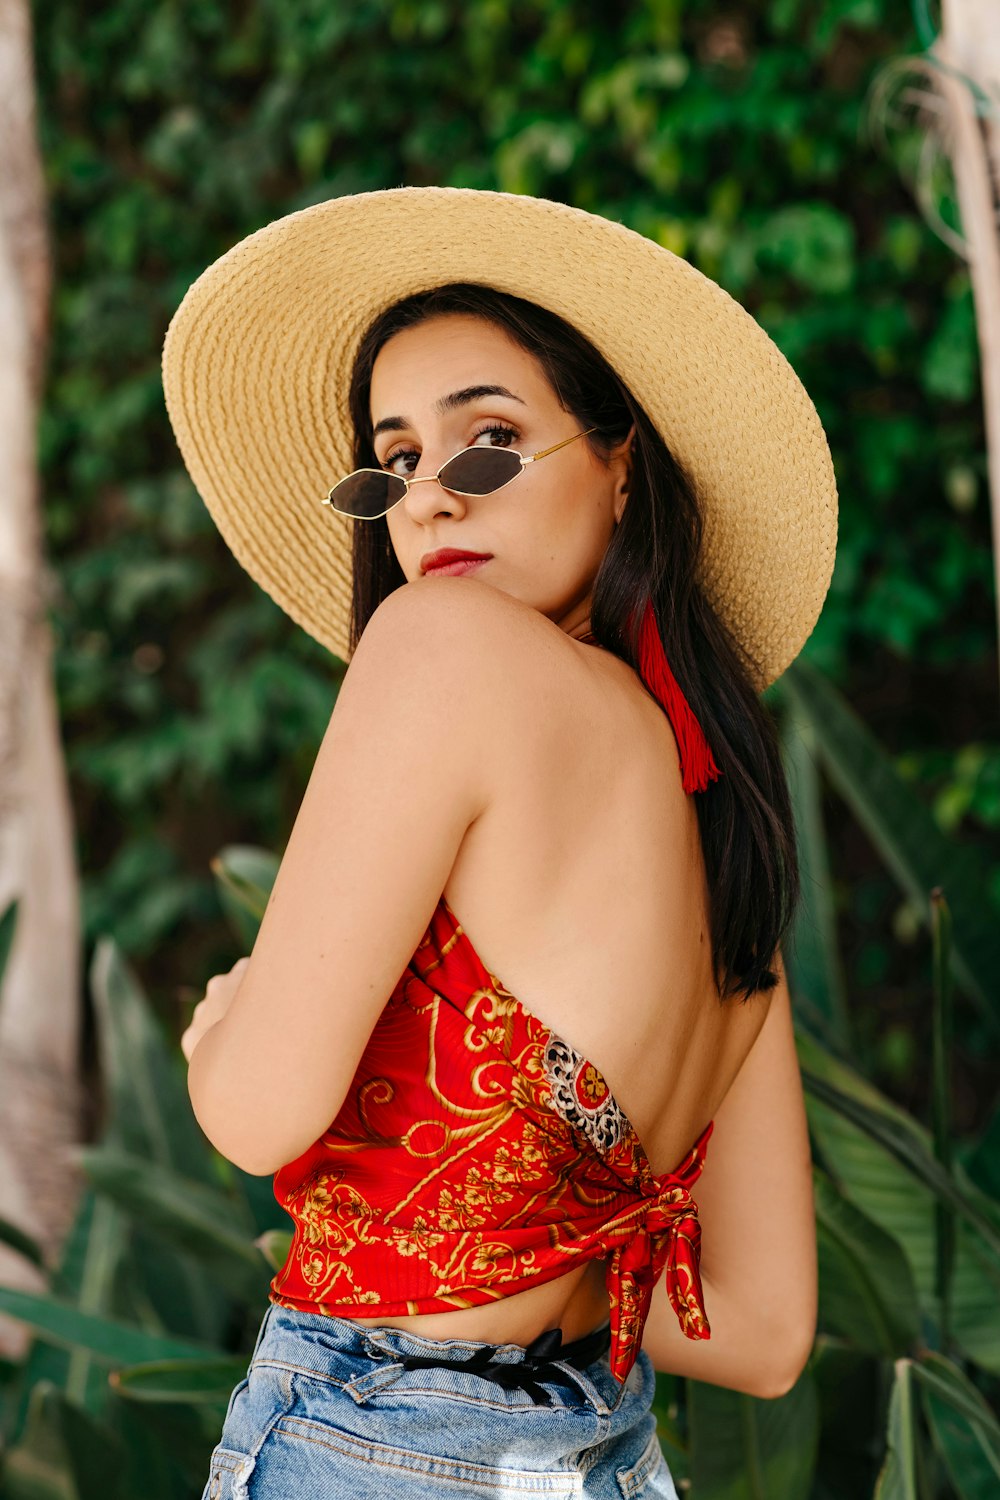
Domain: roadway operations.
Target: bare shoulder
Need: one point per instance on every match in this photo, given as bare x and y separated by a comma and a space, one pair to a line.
462, 630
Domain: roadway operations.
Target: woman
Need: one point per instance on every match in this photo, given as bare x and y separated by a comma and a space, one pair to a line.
560, 739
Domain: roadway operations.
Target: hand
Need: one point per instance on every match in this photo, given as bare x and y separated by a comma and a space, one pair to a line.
219, 994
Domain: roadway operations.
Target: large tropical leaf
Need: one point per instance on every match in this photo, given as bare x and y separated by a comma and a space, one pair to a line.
274, 1245
245, 875
192, 1381
199, 1220
180, 1436
898, 1477
109, 1340
8, 921
88, 1276
101, 1247
866, 1290
18, 1239
904, 831
903, 1140
149, 1112
149, 1115
900, 1198
742, 1448
942, 1044
812, 959
64, 1453
964, 1429
850, 1389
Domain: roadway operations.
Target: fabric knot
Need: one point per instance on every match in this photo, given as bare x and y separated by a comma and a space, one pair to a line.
673, 1219
665, 1240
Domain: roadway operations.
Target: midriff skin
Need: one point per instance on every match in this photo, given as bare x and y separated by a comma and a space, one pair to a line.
583, 888
576, 1302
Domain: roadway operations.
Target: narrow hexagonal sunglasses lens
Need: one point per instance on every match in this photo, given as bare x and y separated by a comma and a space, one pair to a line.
479, 471
367, 494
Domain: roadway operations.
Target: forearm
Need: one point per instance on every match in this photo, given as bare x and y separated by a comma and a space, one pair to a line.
758, 1349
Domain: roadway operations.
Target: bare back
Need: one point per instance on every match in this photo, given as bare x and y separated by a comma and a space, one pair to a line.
582, 887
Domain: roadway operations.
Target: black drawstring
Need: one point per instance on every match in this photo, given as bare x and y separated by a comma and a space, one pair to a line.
538, 1363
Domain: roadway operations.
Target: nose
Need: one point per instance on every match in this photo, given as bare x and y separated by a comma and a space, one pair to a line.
427, 498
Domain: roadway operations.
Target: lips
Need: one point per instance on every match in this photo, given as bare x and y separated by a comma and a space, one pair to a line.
432, 561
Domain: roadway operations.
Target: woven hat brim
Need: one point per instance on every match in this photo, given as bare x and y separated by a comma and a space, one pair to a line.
258, 356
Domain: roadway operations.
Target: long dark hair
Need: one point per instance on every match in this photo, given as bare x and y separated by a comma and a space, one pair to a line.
745, 817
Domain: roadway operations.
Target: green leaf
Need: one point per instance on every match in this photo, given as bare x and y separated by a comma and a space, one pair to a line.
274, 1245
812, 960
870, 1171
245, 876
106, 1338
193, 1381
964, 1429
65, 1453
149, 1111
150, 1116
198, 1220
743, 1448
92, 1262
904, 832
902, 1141
8, 922
941, 1376
813, 243
87, 1275
866, 1286
23, 1243
942, 1043
898, 1477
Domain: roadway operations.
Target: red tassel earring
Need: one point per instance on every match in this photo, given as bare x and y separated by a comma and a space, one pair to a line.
698, 767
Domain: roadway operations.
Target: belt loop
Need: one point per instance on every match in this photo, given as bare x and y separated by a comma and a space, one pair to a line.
262, 1330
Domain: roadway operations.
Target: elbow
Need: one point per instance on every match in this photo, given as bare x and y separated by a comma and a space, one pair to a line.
263, 1165
258, 1135
257, 1158
246, 1148
777, 1374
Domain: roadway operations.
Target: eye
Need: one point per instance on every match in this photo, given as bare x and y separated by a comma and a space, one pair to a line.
392, 459
495, 430
501, 430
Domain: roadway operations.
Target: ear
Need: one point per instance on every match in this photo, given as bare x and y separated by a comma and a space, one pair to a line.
621, 460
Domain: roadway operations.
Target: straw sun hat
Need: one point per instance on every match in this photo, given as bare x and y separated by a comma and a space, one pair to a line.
258, 356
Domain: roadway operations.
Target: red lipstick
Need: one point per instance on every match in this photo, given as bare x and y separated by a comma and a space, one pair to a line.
451, 560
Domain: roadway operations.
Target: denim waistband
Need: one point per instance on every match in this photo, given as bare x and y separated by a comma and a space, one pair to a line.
514, 1366
539, 1362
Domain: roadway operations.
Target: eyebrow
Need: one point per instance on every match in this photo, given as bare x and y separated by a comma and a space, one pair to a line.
448, 403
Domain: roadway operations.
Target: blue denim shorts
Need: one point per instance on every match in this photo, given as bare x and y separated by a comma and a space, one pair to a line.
329, 1411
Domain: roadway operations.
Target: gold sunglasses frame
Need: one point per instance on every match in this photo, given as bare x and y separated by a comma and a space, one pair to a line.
407, 480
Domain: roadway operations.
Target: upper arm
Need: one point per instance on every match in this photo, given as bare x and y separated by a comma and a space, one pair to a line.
405, 767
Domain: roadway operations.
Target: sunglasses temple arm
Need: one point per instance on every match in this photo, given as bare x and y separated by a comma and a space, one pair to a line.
556, 446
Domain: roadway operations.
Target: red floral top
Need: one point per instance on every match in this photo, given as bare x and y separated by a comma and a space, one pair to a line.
477, 1154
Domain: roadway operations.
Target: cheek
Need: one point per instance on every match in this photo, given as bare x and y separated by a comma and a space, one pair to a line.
396, 526
577, 510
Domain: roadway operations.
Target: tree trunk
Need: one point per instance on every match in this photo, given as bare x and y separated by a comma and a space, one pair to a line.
969, 44
40, 1094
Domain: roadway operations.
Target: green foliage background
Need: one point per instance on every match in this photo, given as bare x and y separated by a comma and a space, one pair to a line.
742, 138
756, 139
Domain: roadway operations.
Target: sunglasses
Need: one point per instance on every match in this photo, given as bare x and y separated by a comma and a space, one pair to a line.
368, 494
